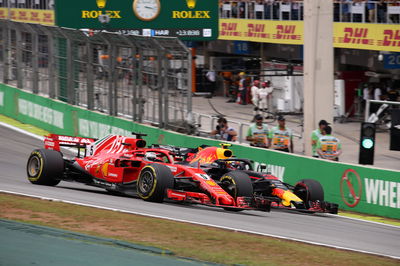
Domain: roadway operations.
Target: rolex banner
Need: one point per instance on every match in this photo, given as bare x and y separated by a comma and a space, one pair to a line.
186, 19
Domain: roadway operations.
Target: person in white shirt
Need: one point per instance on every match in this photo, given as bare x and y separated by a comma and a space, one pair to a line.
254, 95
212, 78
263, 95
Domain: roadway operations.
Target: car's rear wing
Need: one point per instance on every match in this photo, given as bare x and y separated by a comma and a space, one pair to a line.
54, 142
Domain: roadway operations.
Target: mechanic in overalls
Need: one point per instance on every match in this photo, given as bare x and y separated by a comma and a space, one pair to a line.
328, 146
280, 138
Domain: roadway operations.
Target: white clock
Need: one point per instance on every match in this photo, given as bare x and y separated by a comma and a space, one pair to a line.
146, 10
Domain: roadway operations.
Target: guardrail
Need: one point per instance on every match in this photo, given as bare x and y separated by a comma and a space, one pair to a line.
343, 11
354, 187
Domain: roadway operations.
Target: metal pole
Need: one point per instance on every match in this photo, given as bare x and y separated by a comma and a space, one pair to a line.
19, 64
51, 65
6, 52
160, 84
89, 76
139, 101
35, 62
70, 72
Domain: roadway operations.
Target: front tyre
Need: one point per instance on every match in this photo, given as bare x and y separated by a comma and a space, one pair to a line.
309, 190
45, 167
153, 181
237, 184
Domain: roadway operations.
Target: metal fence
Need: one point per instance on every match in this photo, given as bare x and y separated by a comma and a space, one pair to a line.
377, 11
141, 78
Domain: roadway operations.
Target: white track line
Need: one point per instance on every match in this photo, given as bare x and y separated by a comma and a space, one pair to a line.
197, 223
188, 221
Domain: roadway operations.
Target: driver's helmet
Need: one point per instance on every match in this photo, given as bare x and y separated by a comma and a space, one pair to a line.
151, 156
236, 165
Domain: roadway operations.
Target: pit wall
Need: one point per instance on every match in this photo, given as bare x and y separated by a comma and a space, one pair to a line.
356, 188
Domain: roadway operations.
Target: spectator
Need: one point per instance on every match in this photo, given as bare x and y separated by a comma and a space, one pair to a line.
382, 9
316, 135
254, 95
367, 94
224, 131
212, 78
371, 8
393, 95
268, 5
378, 93
263, 96
295, 10
242, 95
394, 17
328, 146
258, 133
280, 138
346, 9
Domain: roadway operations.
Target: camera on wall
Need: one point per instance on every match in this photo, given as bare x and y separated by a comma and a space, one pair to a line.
104, 19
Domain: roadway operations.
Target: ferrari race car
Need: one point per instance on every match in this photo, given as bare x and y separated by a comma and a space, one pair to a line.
124, 165
307, 195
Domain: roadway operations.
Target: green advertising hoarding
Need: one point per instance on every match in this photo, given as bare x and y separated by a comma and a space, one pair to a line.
186, 19
357, 188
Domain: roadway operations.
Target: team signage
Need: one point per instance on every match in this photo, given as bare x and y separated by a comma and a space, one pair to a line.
44, 17
380, 37
187, 19
287, 32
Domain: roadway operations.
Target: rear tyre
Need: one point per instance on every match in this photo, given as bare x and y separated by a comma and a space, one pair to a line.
153, 181
45, 167
309, 190
237, 184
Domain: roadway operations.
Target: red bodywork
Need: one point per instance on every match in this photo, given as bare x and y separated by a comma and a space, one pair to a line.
117, 161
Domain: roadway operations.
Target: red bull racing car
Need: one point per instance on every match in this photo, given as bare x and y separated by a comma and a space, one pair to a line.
307, 195
124, 164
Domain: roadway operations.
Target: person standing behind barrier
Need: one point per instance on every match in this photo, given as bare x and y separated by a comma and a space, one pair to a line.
212, 78
328, 146
280, 138
264, 94
258, 133
242, 89
254, 95
316, 135
222, 129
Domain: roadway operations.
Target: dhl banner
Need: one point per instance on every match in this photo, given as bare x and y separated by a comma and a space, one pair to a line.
286, 32
44, 17
380, 37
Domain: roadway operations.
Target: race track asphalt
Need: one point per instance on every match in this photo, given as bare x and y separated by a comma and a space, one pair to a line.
321, 229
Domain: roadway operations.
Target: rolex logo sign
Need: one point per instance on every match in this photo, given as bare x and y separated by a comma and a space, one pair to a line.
191, 3
101, 3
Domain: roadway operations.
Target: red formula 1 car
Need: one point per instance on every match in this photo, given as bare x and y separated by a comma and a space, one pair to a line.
125, 165
307, 195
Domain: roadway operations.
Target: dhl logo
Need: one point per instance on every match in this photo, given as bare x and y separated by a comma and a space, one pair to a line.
286, 32
229, 29
391, 38
356, 36
256, 30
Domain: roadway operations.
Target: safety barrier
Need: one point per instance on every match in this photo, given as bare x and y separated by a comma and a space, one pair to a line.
357, 188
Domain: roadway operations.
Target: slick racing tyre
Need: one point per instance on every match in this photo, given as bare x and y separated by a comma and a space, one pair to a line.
153, 181
45, 167
237, 184
309, 190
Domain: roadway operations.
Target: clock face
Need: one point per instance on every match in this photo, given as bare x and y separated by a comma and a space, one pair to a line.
146, 10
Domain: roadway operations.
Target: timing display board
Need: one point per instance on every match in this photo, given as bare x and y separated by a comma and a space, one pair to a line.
186, 19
